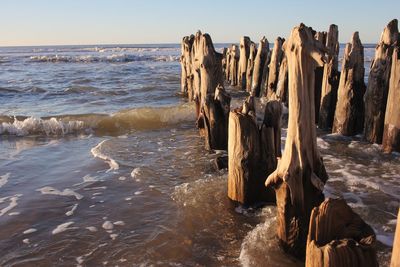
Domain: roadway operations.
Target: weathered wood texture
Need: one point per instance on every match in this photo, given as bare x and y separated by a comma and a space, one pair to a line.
330, 80
244, 55
339, 237
391, 131
349, 114
250, 66
250, 156
186, 67
265, 75
282, 90
319, 72
300, 175
375, 98
395, 262
261, 57
228, 63
273, 75
234, 65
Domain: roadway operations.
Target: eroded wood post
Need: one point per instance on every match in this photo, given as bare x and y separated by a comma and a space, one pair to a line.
319, 72
273, 76
375, 98
228, 64
300, 175
265, 75
330, 80
250, 66
186, 67
349, 114
391, 131
339, 237
244, 55
282, 87
259, 62
234, 65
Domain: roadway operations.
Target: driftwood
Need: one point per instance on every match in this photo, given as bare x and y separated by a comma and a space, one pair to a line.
300, 175
349, 114
319, 72
391, 131
282, 87
244, 55
261, 57
250, 158
378, 84
250, 66
330, 80
233, 66
339, 237
395, 262
273, 74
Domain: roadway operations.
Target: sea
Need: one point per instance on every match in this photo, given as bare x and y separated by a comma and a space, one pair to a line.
101, 165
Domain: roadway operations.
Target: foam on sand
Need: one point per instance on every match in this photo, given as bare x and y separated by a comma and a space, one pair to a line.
29, 231
48, 190
13, 203
96, 152
62, 228
71, 212
4, 179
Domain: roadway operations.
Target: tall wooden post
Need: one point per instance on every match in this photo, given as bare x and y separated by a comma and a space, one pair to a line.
259, 62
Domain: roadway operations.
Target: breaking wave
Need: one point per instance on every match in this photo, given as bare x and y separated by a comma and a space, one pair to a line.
145, 118
115, 58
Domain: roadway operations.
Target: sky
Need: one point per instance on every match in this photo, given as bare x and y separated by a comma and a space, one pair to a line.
74, 22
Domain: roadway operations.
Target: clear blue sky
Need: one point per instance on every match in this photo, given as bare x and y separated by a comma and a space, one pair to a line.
44, 22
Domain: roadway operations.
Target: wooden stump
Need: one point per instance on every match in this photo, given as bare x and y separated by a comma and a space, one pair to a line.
250, 156
330, 80
349, 114
300, 175
378, 84
259, 62
228, 64
391, 132
282, 87
319, 72
265, 75
395, 262
216, 114
196, 58
250, 66
186, 67
273, 76
339, 237
244, 55
234, 65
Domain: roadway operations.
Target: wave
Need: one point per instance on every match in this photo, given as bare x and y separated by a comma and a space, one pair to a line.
145, 118
115, 58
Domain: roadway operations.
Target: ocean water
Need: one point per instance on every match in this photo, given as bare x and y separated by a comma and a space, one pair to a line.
101, 165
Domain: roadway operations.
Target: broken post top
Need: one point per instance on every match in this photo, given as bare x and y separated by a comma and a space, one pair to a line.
390, 34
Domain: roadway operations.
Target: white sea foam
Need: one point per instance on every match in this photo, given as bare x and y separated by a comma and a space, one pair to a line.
13, 203
48, 190
71, 212
29, 231
136, 172
120, 223
107, 225
62, 228
26, 241
91, 228
96, 152
33, 125
115, 58
4, 179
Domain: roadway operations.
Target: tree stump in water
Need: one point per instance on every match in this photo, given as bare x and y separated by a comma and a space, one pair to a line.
378, 84
391, 132
349, 114
233, 71
273, 75
339, 237
300, 175
259, 66
244, 55
395, 262
249, 156
330, 80
250, 66
196, 58
216, 115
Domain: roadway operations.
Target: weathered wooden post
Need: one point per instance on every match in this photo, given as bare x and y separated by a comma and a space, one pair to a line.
186, 67
375, 98
349, 114
196, 57
228, 64
319, 72
244, 55
265, 75
259, 62
339, 237
300, 175
250, 157
391, 131
273, 76
282, 87
330, 80
250, 66
395, 262
234, 65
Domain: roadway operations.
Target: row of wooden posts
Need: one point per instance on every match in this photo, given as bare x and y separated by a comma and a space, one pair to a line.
298, 72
